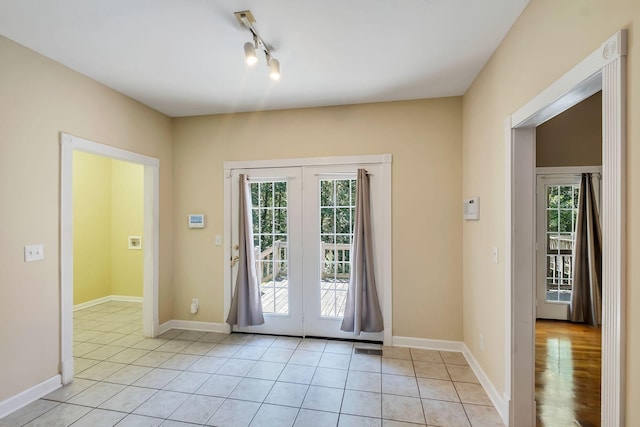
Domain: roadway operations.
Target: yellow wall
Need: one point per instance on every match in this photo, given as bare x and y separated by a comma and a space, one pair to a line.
40, 98
91, 227
127, 213
547, 40
107, 209
424, 138
572, 138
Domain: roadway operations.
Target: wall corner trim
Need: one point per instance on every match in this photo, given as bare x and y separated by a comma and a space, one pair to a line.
32, 394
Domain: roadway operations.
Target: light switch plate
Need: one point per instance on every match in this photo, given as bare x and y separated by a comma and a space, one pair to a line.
33, 253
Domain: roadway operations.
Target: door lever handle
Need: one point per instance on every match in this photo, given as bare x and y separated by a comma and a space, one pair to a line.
235, 260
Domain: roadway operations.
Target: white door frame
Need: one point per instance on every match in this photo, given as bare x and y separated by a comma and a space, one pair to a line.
69, 144
385, 239
604, 69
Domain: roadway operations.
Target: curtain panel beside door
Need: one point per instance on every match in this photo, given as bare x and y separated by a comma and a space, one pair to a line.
586, 298
362, 309
246, 305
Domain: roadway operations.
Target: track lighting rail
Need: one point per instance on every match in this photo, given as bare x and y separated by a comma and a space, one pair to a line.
245, 17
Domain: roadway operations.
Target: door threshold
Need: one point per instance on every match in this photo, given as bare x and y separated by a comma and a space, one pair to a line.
353, 340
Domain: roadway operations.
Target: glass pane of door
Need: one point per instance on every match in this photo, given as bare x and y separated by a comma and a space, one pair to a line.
270, 236
561, 214
337, 210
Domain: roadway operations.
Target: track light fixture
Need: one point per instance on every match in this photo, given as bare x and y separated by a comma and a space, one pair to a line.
251, 48
250, 51
274, 69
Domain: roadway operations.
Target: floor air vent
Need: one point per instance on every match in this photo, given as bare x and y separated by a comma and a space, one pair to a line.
371, 351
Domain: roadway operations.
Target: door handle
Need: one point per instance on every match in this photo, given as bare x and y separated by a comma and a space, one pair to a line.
235, 260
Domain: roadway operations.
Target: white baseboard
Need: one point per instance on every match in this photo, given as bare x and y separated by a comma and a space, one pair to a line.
441, 345
91, 303
192, 325
501, 405
126, 298
106, 299
20, 400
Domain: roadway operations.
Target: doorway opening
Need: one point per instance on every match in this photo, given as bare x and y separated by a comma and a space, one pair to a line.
567, 355
148, 240
604, 69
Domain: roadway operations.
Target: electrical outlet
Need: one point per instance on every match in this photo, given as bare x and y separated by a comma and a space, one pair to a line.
481, 342
194, 306
33, 253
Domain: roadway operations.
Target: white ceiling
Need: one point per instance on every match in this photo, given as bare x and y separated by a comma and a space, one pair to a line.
185, 57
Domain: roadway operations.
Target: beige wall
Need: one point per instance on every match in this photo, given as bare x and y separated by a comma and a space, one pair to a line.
572, 138
41, 98
424, 138
546, 41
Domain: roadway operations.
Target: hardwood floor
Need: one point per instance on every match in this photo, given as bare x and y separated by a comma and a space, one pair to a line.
567, 374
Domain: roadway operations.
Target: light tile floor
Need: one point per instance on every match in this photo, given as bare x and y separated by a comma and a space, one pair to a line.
189, 378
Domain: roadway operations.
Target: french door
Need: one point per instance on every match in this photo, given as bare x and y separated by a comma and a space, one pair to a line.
277, 221
303, 220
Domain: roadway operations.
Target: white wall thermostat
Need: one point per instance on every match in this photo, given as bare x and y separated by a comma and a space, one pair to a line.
472, 209
196, 220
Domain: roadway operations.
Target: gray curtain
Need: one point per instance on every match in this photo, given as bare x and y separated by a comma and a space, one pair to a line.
586, 298
246, 305
362, 311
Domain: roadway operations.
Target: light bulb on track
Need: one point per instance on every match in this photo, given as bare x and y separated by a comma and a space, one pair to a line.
250, 53
274, 69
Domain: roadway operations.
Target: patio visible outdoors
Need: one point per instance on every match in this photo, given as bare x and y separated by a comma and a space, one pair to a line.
333, 283
275, 297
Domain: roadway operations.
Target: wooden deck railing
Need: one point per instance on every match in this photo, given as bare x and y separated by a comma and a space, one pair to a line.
272, 263
274, 254
560, 272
